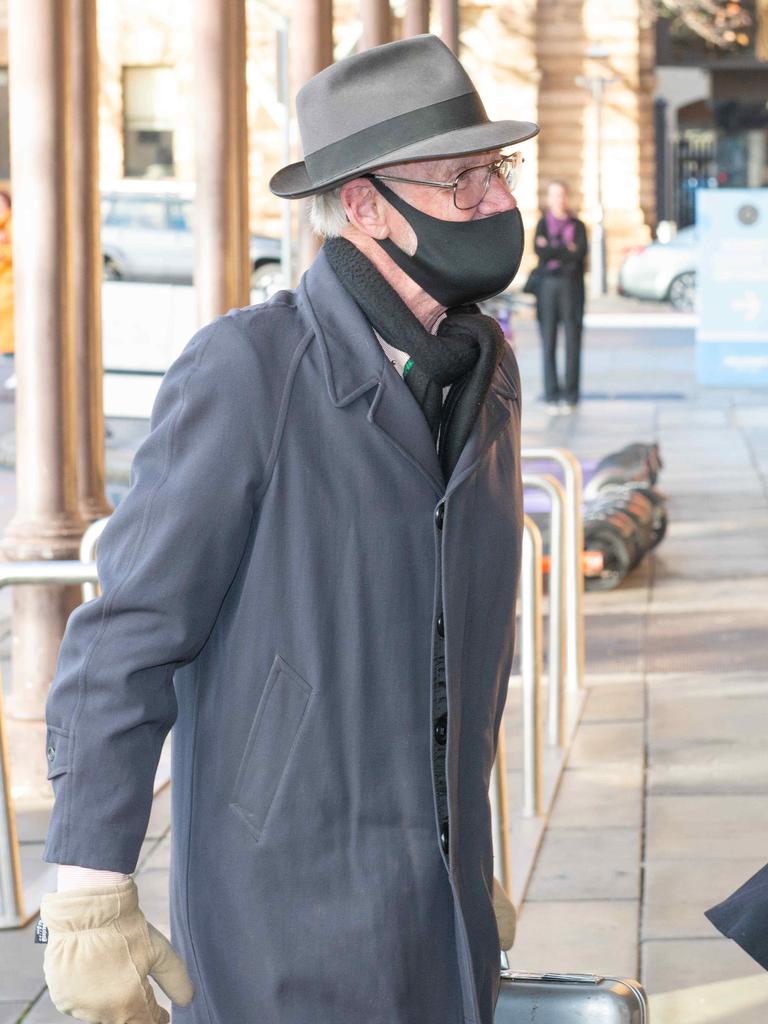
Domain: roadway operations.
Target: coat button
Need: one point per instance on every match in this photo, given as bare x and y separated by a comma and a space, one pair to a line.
441, 729
439, 515
444, 838
440, 625
50, 753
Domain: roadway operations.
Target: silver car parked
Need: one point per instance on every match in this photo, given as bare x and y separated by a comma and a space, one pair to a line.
147, 235
663, 271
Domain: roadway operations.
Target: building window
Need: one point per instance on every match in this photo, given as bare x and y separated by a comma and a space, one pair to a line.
150, 104
5, 144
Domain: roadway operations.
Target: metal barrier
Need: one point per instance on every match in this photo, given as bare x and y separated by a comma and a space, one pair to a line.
565, 642
531, 574
88, 553
14, 898
556, 646
574, 573
530, 665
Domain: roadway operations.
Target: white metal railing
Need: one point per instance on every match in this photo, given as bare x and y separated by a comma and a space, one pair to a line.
556, 592
531, 572
88, 544
565, 641
574, 547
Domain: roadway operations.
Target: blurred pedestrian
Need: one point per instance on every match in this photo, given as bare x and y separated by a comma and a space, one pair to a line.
6, 282
561, 245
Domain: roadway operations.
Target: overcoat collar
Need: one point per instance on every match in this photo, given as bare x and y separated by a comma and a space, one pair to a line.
355, 362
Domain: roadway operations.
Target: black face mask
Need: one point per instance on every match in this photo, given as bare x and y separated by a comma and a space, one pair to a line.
458, 262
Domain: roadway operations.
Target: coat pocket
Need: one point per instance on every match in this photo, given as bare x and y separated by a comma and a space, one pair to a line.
57, 751
270, 744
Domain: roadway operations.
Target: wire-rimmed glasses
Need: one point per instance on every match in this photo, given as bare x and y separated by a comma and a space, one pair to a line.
469, 187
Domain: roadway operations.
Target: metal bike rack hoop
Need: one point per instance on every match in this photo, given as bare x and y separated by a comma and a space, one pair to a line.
574, 546
530, 665
556, 645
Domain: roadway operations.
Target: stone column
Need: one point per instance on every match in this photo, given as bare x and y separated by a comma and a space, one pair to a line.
499, 52
449, 23
627, 148
239, 30
416, 18
377, 22
46, 523
312, 42
219, 130
761, 30
87, 263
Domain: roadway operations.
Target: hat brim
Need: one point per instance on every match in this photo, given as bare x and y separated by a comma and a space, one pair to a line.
293, 181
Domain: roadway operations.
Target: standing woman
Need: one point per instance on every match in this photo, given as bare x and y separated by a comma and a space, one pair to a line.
561, 245
6, 282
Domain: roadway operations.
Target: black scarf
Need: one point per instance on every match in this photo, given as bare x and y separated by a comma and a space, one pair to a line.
463, 356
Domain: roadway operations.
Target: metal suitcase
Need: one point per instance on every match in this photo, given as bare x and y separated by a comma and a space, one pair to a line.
569, 999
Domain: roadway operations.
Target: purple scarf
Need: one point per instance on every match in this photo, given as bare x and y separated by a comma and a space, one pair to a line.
561, 232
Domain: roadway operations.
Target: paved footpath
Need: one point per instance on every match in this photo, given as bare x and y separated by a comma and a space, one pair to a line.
662, 808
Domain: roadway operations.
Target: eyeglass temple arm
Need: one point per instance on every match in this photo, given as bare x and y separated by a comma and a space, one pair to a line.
414, 181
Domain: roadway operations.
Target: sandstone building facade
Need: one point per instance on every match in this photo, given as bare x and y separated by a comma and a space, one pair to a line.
526, 57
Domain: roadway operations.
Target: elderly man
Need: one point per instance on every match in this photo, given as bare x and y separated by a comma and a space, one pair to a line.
314, 577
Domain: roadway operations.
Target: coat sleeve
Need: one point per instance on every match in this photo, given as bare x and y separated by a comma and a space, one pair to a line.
166, 560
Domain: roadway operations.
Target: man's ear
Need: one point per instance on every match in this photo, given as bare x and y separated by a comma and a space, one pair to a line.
365, 208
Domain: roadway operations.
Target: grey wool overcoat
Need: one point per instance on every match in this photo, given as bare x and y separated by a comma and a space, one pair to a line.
270, 588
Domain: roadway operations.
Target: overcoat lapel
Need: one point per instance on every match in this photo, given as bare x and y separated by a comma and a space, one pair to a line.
355, 362
487, 427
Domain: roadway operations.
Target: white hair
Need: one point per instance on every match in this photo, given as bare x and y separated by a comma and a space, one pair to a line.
327, 215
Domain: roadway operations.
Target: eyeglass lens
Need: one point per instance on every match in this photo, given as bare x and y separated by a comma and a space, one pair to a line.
472, 184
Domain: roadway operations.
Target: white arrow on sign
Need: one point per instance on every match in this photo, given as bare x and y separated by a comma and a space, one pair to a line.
750, 304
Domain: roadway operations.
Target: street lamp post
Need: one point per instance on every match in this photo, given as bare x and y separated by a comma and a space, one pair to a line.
597, 85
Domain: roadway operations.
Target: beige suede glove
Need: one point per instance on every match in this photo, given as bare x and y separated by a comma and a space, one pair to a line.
506, 916
100, 952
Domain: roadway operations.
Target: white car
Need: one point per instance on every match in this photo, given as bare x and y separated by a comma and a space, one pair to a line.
663, 271
147, 235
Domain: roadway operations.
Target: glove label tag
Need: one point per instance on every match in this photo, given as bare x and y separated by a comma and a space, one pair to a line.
41, 932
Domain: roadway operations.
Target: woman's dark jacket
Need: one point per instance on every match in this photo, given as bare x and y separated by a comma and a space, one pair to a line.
571, 262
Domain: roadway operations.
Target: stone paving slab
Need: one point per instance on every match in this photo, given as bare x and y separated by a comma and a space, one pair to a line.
698, 827
615, 703
718, 570
678, 892
590, 936
11, 1012
729, 591
615, 645
736, 774
687, 507
706, 981
600, 863
607, 743
690, 640
21, 964
593, 798
731, 715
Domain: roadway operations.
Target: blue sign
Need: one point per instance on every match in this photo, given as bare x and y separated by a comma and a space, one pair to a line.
732, 287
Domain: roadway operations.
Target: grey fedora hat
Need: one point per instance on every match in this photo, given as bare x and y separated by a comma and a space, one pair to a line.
409, 100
